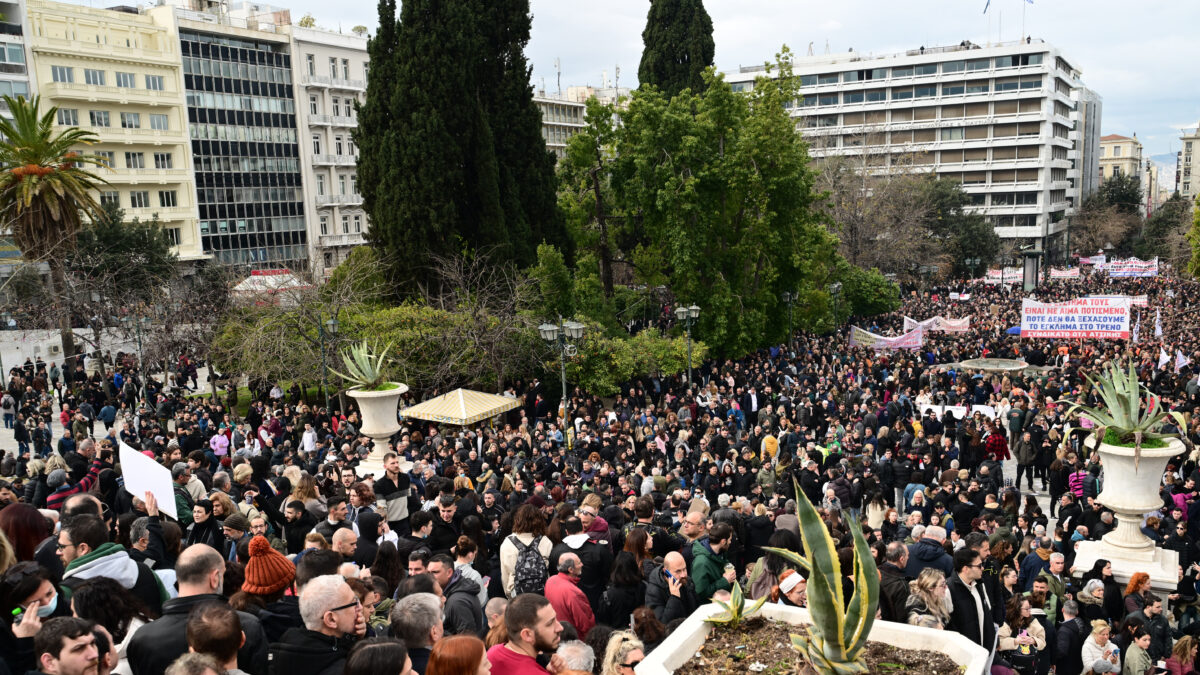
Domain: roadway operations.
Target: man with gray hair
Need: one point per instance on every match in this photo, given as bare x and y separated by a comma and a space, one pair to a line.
928, 551
1056, 582
1068, 643
417, 620
493, 612
578, 657
570, 603
332, 616
893, 583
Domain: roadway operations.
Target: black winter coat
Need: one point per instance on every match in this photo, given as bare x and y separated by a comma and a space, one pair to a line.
963, 616
616, 608
463, 615
304, 652
158, 643
667, 607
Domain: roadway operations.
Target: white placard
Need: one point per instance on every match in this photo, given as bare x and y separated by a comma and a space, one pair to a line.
143, 474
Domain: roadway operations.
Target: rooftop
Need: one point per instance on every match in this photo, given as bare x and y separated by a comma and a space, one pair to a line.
1117, 137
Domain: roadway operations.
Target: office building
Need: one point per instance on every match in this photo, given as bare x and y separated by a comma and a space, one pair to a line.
330, 76
561, 119
117, 74
1000, 119
14, 54
241, 106
1185, 184
1088, 109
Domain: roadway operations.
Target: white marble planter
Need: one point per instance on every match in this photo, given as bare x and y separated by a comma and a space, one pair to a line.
681, 645
379, 421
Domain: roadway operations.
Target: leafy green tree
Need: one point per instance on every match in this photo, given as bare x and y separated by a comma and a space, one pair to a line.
1165, 232
962, 235
124, 262
359, 276
46, 191
678, 46
1123, 192
554, 284
1193, 238
866, 293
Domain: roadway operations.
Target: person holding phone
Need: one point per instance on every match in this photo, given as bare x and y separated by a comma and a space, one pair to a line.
669, 592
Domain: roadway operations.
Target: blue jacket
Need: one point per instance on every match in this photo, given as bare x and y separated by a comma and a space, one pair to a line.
1031, 567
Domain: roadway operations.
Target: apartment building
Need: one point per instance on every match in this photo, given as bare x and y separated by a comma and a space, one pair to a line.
1123, 156
329, 77
561, 119
14, 56
117, 74
1185, 183
1001, 119
241, 107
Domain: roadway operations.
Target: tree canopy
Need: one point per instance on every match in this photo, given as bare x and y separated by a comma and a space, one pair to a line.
677, 46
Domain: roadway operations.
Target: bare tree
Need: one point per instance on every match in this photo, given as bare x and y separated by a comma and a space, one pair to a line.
1099, 226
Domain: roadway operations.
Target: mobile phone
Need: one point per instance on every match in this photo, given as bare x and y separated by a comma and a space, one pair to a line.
669, 575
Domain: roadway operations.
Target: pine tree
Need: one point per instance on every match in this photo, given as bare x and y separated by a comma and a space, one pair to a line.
678, 46
527, 181
373, 135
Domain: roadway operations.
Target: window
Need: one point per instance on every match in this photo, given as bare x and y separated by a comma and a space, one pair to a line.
1116, 151
874, 95
110, 197
953, 89
99, 118
313, 107
808, 80
829, 78
902, 71
357, 223
320, 185
341, 185
126, 80
345, 69
337, 145
952, 134
62, 73
131, 120
350, 149
91, 76
902, 94
135, 160
155, 83
345, 224
324, 225
139, 199
12, 53
316, 140
978, 64
354, 183
954, 66
977, 88
328, 259
68, 117
852, 97
108, 156
827, 99
347, 107
926, 91
167, 199
925, 69
163, 160
173, 235
333, 71
159, 122
1116, 171
311, 63
1009, 84
1031, 82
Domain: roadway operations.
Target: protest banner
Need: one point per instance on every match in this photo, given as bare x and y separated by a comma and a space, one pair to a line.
1079, 318
143, 474
938, 324
1132, 267
913, 339
1058, 273
1135, 300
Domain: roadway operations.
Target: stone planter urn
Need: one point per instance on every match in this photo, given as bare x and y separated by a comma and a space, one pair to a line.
379, 421
682, 644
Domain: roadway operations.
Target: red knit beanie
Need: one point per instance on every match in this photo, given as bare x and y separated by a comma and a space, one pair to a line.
269, 570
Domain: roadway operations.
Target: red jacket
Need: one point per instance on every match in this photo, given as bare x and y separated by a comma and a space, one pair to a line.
570, 604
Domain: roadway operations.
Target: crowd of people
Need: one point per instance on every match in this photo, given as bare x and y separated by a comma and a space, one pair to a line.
576, 542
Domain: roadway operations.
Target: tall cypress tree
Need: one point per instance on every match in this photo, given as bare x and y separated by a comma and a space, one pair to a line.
678, 46
527, 181
431, 183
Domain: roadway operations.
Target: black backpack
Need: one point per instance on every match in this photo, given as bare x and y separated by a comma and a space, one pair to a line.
530, 573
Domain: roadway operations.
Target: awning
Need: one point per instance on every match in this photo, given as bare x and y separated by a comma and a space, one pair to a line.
461, 407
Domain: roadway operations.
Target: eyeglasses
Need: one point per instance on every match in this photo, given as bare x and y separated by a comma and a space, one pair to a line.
975, 565
631, 665
348, 605
61, 546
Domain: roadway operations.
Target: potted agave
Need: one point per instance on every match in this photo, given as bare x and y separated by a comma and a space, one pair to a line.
829, 637
1127, 434
377, 398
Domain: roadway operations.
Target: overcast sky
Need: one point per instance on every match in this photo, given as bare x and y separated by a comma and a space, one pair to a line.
1140, 56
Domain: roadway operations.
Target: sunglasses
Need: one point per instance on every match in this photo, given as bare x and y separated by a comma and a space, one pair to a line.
631, 665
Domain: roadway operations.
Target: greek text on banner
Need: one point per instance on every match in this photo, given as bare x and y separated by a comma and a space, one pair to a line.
1079, 318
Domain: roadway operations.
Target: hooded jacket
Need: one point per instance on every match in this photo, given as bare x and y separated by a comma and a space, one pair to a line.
597, 559
708, 570
462, 614
304, 652
112, 560
161, 641
928, 553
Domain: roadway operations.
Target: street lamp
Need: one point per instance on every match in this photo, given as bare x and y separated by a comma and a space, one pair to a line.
558, 335
835, 292
688, 316
973, 266
790, 298
330, 327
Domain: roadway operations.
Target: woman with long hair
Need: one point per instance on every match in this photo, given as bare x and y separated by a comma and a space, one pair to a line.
765, 575
1135, 592
25, 527
106, 602
1021, 634
304, 489
25, 587
890, 529
626, 590
622, 655
1183, 656
458, 655
640, 543
1008, 584
928, 601
1114, 597
528, 529
464, 552
379, 656
648, 628
388, 566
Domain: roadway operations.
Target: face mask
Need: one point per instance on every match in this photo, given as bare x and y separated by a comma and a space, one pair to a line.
45, 611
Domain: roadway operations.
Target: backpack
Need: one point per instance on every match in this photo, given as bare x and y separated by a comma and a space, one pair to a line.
530, 573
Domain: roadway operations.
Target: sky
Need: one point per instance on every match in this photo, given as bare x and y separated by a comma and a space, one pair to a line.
1139, 56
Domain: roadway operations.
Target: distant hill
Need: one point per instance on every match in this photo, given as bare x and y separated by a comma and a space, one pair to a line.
1166, 174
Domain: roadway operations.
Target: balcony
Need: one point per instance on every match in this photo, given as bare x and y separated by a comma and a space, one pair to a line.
335, 240
146, 175
333, 120
168, 56
332, 82
334, 160
336, 200
164, 214
95, 92
10, 29
139, 135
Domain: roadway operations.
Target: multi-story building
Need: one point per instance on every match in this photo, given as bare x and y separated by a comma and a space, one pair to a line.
1088, 107
561, 119
330, 76
14, 54
1185, 183
999, 119
118, 74
1121, 156
241, 105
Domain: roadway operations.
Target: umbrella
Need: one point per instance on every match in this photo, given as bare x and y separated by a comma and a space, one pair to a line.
1015, 330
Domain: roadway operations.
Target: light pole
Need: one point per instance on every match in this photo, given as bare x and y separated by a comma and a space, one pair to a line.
330, 326
972, 266
790, 298
835, 292
688, 316
558, 335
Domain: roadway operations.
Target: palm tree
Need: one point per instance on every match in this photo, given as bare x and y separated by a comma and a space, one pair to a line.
45, 194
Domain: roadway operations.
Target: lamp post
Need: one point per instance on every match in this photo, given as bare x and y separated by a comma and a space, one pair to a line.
558, 335
790, 298
331, 327
688, 316
973, 266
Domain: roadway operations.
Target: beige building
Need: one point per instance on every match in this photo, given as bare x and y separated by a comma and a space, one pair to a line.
118, 75
1185, 182
1123, 156
561, 119
330, 76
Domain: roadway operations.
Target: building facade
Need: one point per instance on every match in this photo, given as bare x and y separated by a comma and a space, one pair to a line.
1185, 182
561, 119
1121, 156
241, 108
118, 75
330, 76
14, 53
1002, 120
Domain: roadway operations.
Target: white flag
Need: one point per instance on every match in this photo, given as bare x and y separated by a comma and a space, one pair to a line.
1180, 360
1163, 358
1137, 329
1157, 323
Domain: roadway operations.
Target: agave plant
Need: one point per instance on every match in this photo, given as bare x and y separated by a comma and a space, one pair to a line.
364, 369
735, 609
838, 632
1126, 413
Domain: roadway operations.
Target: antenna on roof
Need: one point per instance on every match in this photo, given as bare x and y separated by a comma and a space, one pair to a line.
558, 73
826, 45
810, 51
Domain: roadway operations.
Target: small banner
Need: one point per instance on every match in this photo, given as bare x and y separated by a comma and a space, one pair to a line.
913, 339
1132, 267
1058, 273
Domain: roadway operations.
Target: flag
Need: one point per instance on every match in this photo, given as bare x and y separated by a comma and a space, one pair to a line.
1163, 358
1157, 323
986, 5
1180, 360
1137, 329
